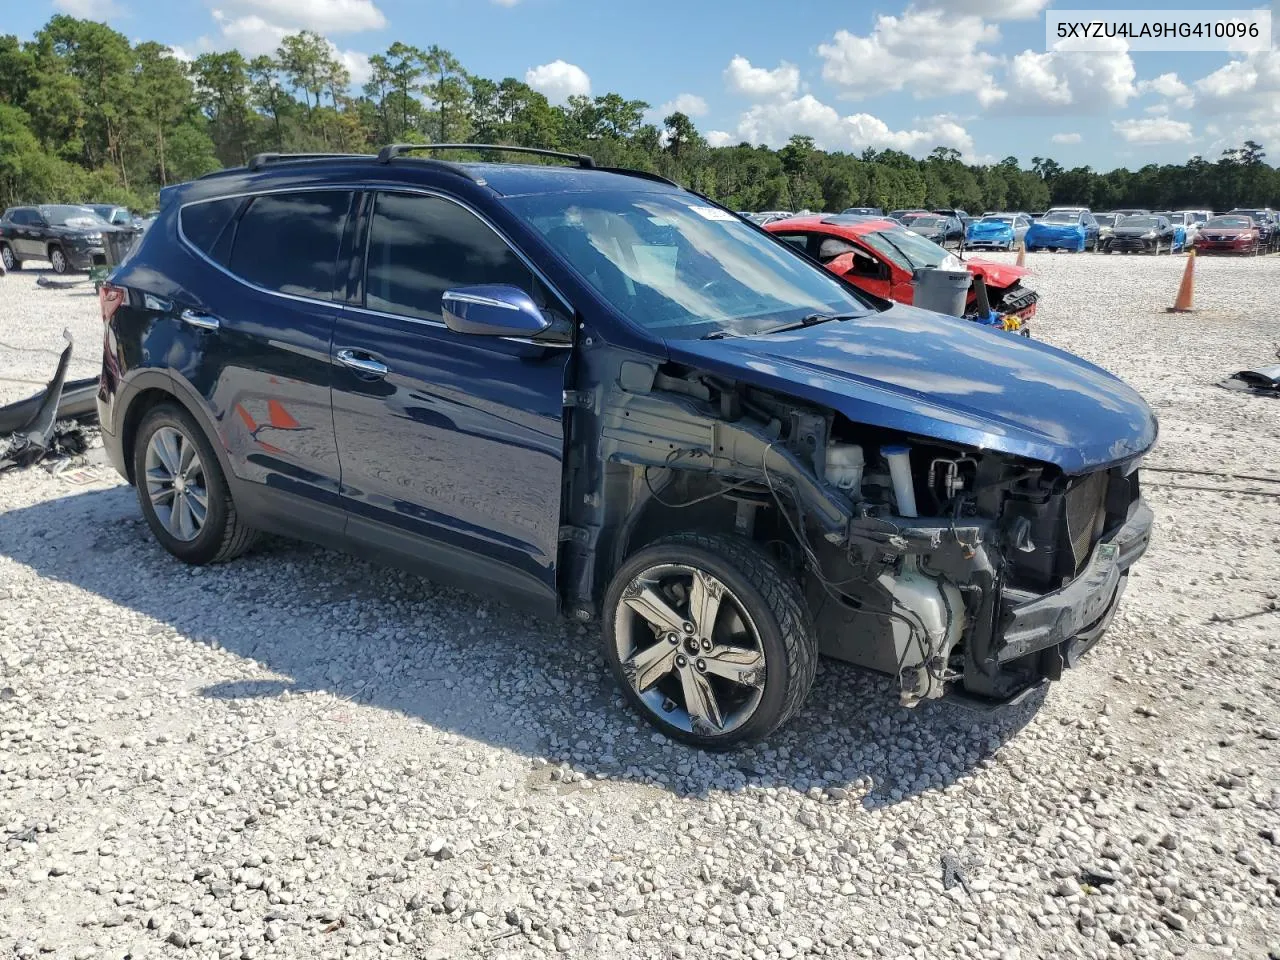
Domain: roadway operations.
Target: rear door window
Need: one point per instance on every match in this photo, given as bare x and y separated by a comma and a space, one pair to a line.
421, 246
288, 242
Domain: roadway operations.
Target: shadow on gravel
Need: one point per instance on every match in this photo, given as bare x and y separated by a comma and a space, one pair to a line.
458, 662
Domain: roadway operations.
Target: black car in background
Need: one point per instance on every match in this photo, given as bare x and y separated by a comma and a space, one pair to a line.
1141, 234
69, 236
943, 230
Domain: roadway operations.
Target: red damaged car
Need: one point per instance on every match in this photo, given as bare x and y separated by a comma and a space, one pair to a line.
879, 256
1233, 233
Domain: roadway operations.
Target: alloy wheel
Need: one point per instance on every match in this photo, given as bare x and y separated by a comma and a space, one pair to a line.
689, 649
6, 256
175, 483
59, 260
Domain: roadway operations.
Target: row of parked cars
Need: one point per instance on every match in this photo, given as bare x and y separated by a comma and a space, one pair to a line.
70, 236
1243, 230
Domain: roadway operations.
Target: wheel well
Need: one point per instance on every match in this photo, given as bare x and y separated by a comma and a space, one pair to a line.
53, 244
144, 401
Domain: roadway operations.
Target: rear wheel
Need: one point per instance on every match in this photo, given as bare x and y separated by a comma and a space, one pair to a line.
710, 639
59, 260
182, 490
8, 259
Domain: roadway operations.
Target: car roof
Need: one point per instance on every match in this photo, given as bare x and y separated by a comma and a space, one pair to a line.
502, 179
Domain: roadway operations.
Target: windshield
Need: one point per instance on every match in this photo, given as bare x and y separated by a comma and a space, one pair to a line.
995, 219
906, 249
1141, 223
928, 223
1108, 219
1060, 217
1229, 222
681, 268
66, 215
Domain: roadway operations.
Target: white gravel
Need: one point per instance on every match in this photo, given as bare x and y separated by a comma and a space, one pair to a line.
301, 755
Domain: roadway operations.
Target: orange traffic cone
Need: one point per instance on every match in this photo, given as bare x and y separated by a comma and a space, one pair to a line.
1186, 291
1022, 254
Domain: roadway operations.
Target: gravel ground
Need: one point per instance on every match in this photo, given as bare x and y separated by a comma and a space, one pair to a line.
301, 755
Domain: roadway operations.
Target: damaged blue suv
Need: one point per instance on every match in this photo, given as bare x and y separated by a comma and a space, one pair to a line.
594, 393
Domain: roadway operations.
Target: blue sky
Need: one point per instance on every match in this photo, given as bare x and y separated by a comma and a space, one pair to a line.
972, 74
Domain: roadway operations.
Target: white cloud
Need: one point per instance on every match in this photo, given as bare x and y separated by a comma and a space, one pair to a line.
690, 104
89, 9
251, 34
775, 123
990, 9
1065, 80
1243, 98
506, 3
558, 80
1066, 138
926, 52
720, 138
1169, 86
782, 81
1153, 130
322, 16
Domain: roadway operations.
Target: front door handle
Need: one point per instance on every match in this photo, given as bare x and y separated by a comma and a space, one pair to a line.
362, 363
205, 321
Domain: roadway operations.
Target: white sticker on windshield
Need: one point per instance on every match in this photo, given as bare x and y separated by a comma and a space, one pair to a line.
713, 213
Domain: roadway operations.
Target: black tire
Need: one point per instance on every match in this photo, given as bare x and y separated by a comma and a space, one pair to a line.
223, 535
769, 596
58, 259
9, 259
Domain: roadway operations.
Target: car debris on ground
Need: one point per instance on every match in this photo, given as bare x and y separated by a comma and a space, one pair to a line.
1264, 381
51, 424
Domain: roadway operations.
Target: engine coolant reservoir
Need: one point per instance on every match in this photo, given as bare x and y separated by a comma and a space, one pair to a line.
844, 467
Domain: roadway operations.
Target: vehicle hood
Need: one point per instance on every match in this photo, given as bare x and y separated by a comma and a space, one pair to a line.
940, 377
1123, 231
997, 275
990, 229
1226, 231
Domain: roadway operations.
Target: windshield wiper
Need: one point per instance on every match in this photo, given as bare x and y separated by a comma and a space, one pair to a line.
809, 321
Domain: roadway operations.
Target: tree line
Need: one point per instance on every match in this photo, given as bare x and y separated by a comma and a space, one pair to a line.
87, 115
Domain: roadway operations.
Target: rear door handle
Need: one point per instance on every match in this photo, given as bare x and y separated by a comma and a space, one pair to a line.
363, 363
205, 321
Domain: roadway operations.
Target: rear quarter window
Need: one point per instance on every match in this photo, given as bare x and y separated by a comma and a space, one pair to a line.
205, 224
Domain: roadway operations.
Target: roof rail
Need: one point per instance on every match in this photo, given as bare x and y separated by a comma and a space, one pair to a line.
260, 160
393, 150
642, 174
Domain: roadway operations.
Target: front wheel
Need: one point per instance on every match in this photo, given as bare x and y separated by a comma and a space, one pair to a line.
59, 260
710, 639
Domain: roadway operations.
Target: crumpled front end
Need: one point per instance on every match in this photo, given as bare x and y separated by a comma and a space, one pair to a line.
955, 570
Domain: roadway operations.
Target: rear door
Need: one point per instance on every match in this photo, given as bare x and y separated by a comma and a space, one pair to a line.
252, 338
25, 243
451, 444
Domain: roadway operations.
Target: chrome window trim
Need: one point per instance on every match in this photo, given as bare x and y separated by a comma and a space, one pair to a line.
373, 188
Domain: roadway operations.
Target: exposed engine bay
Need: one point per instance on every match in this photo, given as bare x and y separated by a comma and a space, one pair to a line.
957, 571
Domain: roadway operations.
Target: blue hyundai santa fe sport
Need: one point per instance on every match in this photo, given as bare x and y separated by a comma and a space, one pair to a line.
594, 393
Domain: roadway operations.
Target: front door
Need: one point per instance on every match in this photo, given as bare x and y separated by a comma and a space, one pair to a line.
451, 444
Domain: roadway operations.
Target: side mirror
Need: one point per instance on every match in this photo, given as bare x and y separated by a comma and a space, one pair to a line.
492, 310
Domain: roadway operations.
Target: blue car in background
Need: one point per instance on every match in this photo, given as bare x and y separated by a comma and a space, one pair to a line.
592, 393
997, 231
1073, 229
